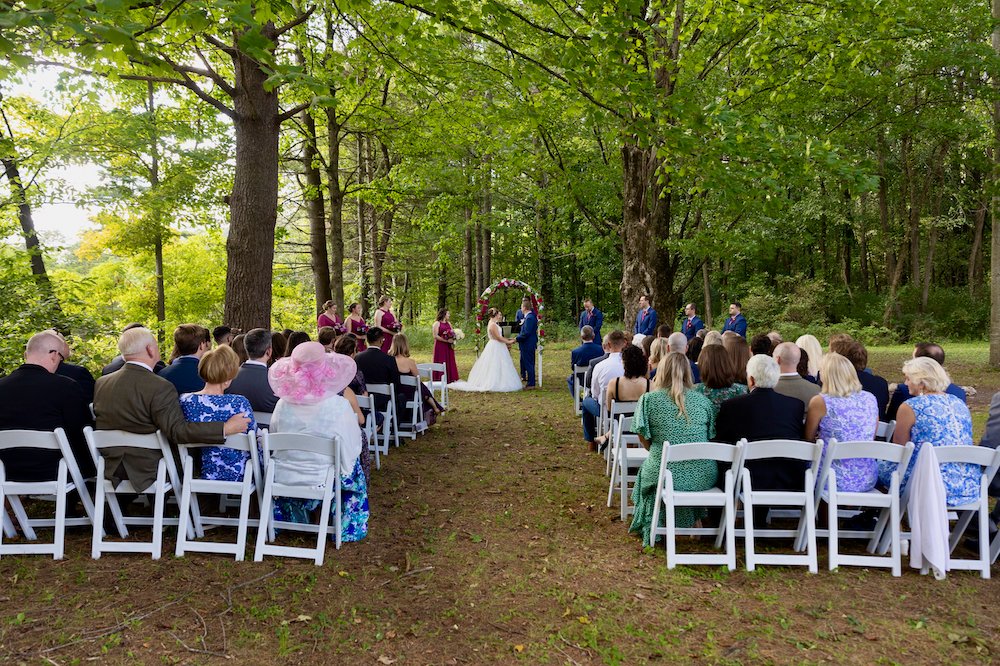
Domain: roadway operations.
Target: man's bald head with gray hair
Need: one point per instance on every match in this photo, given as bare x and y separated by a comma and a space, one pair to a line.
44, 349
787, 354
762, 371
133, 342
678, 342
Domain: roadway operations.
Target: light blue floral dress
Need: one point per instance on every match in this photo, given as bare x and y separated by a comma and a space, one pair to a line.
219, 464
942, 420
851, 418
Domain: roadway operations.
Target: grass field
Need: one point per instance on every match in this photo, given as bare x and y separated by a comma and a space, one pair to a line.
490, 542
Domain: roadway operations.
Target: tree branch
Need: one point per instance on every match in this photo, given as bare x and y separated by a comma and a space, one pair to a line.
299, 20
157, 24
282, 117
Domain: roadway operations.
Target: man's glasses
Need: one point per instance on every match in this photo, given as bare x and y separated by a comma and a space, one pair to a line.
56, 351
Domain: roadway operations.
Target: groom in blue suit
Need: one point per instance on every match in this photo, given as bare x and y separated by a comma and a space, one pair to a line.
527, 342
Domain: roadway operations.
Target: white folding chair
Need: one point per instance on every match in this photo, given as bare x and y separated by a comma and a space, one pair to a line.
801, 499
605, 423
427, 372
888, 503
579, 374
885, 430
628, 454
988, 461
670, 499
192, 487
411, 422
166, 481
329, 492
59, 488
262, 419
367, 406
9, 530
390, 425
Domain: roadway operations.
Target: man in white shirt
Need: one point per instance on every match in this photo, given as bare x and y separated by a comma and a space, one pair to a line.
604, 372
251, 381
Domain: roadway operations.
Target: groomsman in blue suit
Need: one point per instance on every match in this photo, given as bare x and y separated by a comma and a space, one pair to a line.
692, 322
736, 321
591, 317
645, 321
527, 342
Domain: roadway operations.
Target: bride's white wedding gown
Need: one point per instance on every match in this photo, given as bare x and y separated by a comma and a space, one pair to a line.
494, 370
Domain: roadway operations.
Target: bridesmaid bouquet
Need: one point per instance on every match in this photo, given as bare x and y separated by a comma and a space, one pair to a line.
457, 332
340, 328
361, 329
396, 327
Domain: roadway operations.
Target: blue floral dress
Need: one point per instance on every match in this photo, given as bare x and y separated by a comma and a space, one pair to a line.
941, 420
219, 464
851, 418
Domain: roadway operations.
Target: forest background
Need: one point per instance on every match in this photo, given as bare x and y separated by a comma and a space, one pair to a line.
831, 164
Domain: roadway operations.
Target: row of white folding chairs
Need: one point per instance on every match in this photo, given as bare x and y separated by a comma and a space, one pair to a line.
440, 385
738, 489
579, 374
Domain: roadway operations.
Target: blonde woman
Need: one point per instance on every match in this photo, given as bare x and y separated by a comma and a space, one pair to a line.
933, 416
712, 338
658, 348
813, 348
844, 412
400, 350
672, 412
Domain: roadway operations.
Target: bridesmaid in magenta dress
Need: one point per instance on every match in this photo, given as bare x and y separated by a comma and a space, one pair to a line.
356, 325
329, 317
385, 320
444, 345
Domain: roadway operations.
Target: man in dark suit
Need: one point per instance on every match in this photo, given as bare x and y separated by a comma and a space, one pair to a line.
589, 377
692, 322
527, 343
902, 393
856, 353
378, 367
191, 341
736, 322
135, 400
584, 354
117, 362
33, 397
591, 317
764, 414
251, 381
77, 373
645, 319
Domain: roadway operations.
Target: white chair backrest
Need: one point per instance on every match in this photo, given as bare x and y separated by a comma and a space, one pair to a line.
293, 441
244, 441
33, 439
702, 451
624, 423
887, 451
623, 407
580, 370
783, 448
985, 457
364, 401
102, 439
263, 419
885, 430
408, 380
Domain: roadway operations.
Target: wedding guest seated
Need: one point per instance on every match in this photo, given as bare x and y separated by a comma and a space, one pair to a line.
604, 372
347, 345
117, 362
712, 338
776, 339
295, 339
326, 337
932, 415
761, 344
845, 412
764, 414
191, 341
718, 377
874, 384
589, 377
34, 397
703, 333
77, 373
378, 367
627, 388
647, 344
400, 351
902, 394
991, 439
279, 342
739, 351
694, 348
240, 347
223, 335
308, 385
814, 353
803, 367
678, 343
135, 400
673, 412
664, 331
791, 383
659, 348
218, 368
583, 354
251, 380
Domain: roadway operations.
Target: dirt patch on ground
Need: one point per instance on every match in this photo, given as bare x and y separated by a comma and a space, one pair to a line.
490, 542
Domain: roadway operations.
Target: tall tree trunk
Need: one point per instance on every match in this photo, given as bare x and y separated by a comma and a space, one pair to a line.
480, 272
363, 227
319, 259
254, 202
442, 299
995, 205
889, 257
335, 219
154, 183
468, 260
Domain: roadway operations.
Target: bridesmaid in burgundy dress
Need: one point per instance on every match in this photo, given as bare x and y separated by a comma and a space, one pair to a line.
356, 325
385, 320
444, 347
329, 317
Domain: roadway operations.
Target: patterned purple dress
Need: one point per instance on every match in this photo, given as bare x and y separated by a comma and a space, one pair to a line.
851, 419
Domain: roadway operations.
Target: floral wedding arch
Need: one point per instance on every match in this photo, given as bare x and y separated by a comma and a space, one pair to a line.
537, 304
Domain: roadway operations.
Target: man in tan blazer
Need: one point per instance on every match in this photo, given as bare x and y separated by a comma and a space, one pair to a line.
791, 382
135, 400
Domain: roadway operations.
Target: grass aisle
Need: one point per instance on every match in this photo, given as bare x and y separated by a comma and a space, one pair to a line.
489, 543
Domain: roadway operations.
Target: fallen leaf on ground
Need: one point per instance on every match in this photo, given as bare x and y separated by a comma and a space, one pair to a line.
386, 660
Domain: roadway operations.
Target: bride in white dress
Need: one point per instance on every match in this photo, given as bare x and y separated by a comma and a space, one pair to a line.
494, 370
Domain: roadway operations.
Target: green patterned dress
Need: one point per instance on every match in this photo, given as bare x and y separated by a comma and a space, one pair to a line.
657, 419
720, 395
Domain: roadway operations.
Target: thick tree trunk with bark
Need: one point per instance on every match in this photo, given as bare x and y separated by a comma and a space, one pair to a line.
316, 210
253, 204
468, 261
995, 206
154, 183
335, 220
363, 227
